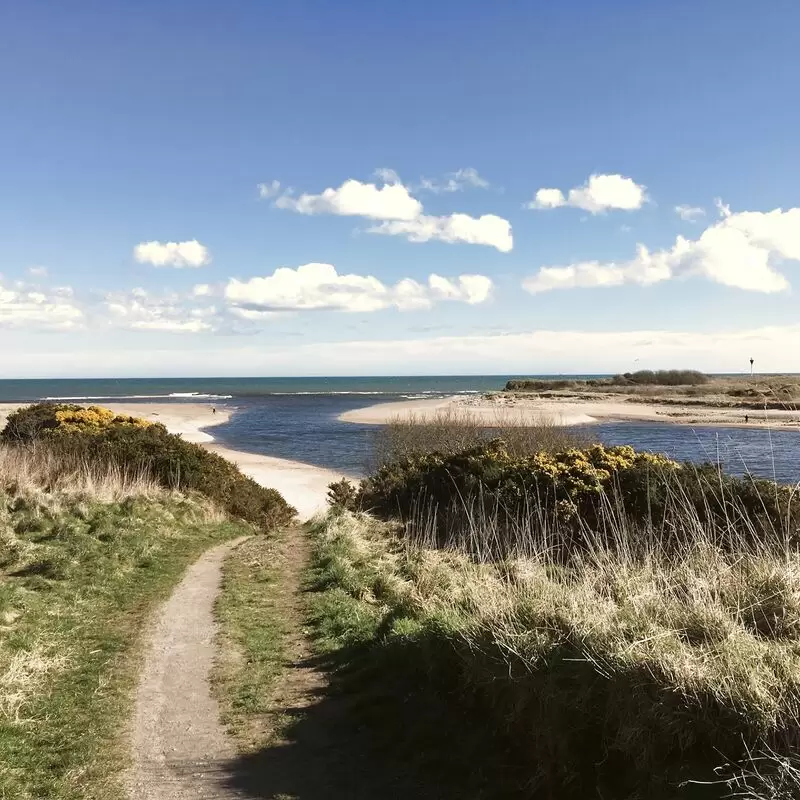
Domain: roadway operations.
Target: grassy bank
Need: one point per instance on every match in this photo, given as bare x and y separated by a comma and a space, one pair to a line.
85, 556
626, 676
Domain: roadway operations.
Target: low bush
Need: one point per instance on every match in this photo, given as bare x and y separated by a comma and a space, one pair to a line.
96, 435
664, 377
539, 385
568, 498
645, 377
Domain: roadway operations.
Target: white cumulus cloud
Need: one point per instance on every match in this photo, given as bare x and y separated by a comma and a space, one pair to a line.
353, 198
488, 230
599, 194
742, 250
172, 254
313, 287
401, 214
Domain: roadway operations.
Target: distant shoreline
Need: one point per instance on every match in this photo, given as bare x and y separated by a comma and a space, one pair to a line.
513, 409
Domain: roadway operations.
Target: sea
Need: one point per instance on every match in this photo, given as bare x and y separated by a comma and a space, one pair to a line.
297, 418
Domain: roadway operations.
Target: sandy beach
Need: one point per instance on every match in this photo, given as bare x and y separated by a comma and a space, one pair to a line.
303, 485
527, 411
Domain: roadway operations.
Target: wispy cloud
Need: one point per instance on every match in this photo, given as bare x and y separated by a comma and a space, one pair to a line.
169, 312
34, 307
690, 213
458, 181
270, 189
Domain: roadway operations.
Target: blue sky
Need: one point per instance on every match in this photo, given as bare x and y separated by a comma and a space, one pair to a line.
128, 124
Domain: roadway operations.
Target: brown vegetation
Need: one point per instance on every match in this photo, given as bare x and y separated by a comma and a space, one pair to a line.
777, 392
454, 429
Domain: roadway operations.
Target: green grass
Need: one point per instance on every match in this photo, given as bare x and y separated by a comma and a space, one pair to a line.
79, 578
251, 640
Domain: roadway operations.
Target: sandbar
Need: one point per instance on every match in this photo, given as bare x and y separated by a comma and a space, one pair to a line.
516, 410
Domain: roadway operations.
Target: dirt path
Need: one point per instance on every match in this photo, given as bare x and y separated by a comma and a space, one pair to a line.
180, 751
317, 742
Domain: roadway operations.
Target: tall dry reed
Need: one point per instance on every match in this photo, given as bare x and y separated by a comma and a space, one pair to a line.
451, 430
633, 669
25, 470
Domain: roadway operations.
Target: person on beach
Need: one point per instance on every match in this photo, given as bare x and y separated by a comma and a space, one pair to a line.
213, 410
746, 418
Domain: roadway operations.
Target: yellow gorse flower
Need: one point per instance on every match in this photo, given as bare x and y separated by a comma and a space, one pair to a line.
95, 419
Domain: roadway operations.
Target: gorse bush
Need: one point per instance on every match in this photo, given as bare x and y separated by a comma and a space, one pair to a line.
96, 435
27, 424
567, 496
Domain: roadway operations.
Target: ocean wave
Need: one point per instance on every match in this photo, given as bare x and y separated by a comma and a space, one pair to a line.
407, 395
390, 393
173, 396
199, 396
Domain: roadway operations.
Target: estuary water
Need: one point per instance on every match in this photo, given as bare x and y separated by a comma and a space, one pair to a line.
296, 418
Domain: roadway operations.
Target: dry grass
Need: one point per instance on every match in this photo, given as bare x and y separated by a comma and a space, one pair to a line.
22, 675
629, 672
25, 470
772, 392
454, 429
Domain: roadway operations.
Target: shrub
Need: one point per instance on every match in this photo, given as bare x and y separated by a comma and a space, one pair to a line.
97, 435
31, 422
539, 385
645, 377
665, 377
342, 495
569, 497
